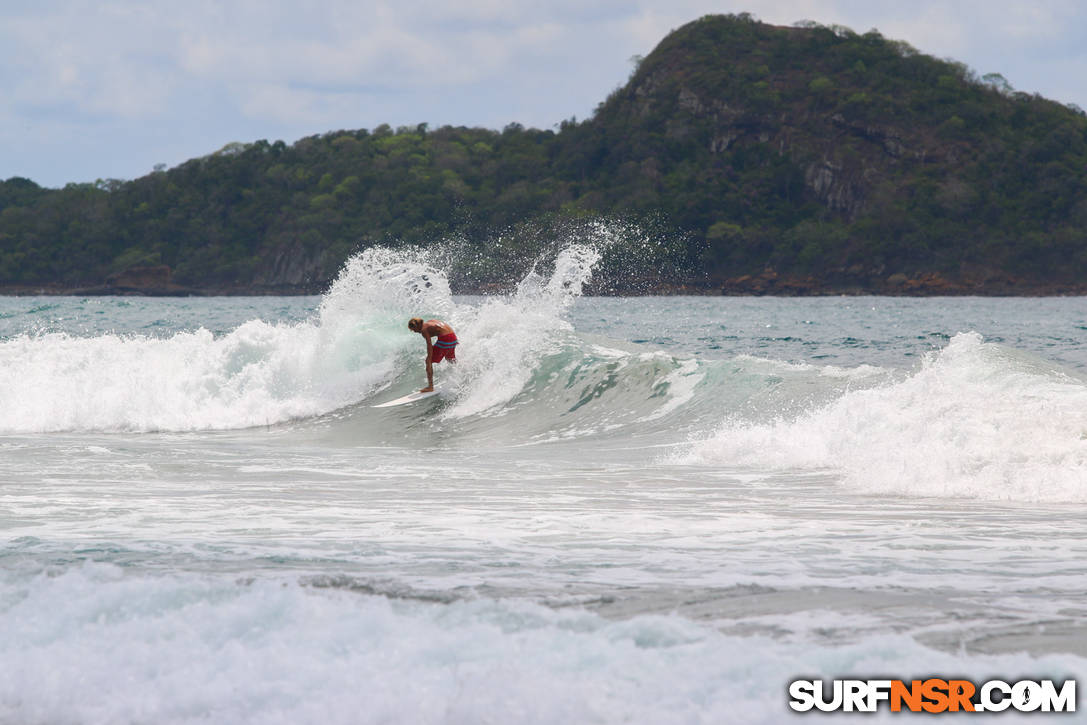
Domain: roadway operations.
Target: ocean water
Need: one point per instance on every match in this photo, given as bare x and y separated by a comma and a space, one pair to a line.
618, 510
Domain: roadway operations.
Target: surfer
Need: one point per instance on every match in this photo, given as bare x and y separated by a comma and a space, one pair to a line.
444, 348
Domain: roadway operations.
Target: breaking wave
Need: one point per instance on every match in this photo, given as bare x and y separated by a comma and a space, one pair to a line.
977, 420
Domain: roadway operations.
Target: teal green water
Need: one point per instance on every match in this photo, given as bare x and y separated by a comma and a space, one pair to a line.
891, 331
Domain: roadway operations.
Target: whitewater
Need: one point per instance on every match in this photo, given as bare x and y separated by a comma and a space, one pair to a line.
617, 510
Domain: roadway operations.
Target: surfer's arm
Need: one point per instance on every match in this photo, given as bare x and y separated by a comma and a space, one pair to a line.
429, 366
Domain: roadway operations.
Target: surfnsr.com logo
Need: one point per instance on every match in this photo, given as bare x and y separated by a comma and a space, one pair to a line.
932, 696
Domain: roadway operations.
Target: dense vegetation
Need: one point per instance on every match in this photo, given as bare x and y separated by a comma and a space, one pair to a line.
810, 150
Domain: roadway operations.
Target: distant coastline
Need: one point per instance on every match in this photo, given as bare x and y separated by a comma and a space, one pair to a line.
845, 163
767, 284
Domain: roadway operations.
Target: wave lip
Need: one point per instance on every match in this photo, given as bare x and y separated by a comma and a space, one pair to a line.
257, 374
976, 421
262, 374
510, 335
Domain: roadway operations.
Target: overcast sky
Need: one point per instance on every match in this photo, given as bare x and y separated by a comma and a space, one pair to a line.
109, 88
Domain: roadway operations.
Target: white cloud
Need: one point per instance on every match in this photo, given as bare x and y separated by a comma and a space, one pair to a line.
294, 106
207, 72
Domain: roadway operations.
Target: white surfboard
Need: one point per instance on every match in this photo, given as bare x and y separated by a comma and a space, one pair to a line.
410, 398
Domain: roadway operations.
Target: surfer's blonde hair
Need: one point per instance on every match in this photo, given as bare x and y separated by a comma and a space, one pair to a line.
415, 324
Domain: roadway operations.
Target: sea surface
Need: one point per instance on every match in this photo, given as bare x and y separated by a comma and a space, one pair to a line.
618, 510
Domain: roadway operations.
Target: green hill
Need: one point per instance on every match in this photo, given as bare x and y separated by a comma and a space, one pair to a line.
797, 159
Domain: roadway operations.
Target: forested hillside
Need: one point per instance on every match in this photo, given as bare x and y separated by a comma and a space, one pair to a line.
764, 158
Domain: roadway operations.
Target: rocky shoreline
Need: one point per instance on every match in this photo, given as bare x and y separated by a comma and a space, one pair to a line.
788, 287
927, 284
158, 282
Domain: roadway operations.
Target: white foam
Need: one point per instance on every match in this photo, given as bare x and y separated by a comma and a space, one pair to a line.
386, 284
507, 336
977, 420
257, 374
261, 373
861, 372
97, 644
681, 384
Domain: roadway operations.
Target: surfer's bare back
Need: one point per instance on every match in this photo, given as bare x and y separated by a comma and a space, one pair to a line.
444, 348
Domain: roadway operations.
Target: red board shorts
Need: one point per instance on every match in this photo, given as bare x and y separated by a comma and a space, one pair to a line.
444, 349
